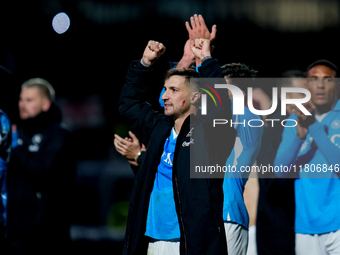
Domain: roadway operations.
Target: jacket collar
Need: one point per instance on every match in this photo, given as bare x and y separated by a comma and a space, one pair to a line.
42, 121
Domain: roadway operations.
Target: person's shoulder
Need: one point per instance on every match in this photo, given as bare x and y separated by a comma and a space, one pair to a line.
248, 115
4, 120
58, 130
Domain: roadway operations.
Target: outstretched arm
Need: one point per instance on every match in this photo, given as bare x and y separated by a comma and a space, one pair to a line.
210, 67
152, 52
289, 148
188, 57
221, 137
132, 103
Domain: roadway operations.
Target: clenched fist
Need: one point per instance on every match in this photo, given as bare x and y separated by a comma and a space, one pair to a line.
152, 52
201, 48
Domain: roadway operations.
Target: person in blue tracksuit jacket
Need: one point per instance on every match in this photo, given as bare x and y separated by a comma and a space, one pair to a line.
244, 153
313, 146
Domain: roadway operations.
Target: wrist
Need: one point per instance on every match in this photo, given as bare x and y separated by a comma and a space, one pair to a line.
205, 58
302, 137
145, 62
188, 58
138, 154
308, 121
198, 61
185, 62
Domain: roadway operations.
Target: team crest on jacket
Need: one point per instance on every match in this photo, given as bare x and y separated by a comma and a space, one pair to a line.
186, 144
36, 140
335, 124
190, 132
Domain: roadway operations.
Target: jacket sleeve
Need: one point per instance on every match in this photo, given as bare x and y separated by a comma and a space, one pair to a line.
221, 137
139, 162
251, 138
211, 74
288, 150
210, 69
328, 149
132, 105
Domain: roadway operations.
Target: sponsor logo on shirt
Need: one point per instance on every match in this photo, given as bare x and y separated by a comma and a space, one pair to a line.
168, 159
336, 140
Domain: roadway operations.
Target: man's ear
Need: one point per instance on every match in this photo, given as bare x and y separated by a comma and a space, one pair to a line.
195, 97
46, 104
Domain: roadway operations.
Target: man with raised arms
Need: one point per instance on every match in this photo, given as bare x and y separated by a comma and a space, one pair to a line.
171, 213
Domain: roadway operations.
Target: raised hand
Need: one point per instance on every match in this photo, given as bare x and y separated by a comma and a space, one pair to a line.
201, 48
198, 29
304, 121
152, 52
188, 56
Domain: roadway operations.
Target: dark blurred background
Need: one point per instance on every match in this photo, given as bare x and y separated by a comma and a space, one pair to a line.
87, 64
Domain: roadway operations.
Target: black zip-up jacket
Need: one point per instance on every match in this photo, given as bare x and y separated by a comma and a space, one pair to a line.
41, 181
199, 201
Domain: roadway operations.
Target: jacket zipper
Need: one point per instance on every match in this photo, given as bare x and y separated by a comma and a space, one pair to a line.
180, 216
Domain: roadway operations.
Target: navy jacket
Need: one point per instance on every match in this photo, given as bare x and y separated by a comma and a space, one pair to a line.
199, 201
41, 180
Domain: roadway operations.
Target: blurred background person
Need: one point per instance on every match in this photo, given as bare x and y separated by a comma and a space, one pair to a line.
314, 142
244, 153
276, 205
9, 94
6, 85
5, 150
41, 175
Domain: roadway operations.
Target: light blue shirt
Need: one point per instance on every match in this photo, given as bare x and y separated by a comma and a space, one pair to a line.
317, 194
162, 221
244, 153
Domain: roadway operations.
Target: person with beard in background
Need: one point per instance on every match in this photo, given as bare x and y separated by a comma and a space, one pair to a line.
41, 175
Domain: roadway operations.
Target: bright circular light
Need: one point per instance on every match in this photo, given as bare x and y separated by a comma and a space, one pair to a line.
61, 22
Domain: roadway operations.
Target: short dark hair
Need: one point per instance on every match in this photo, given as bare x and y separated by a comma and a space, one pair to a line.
187, 73
324, 62
287, 77
239, 70
294, 73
